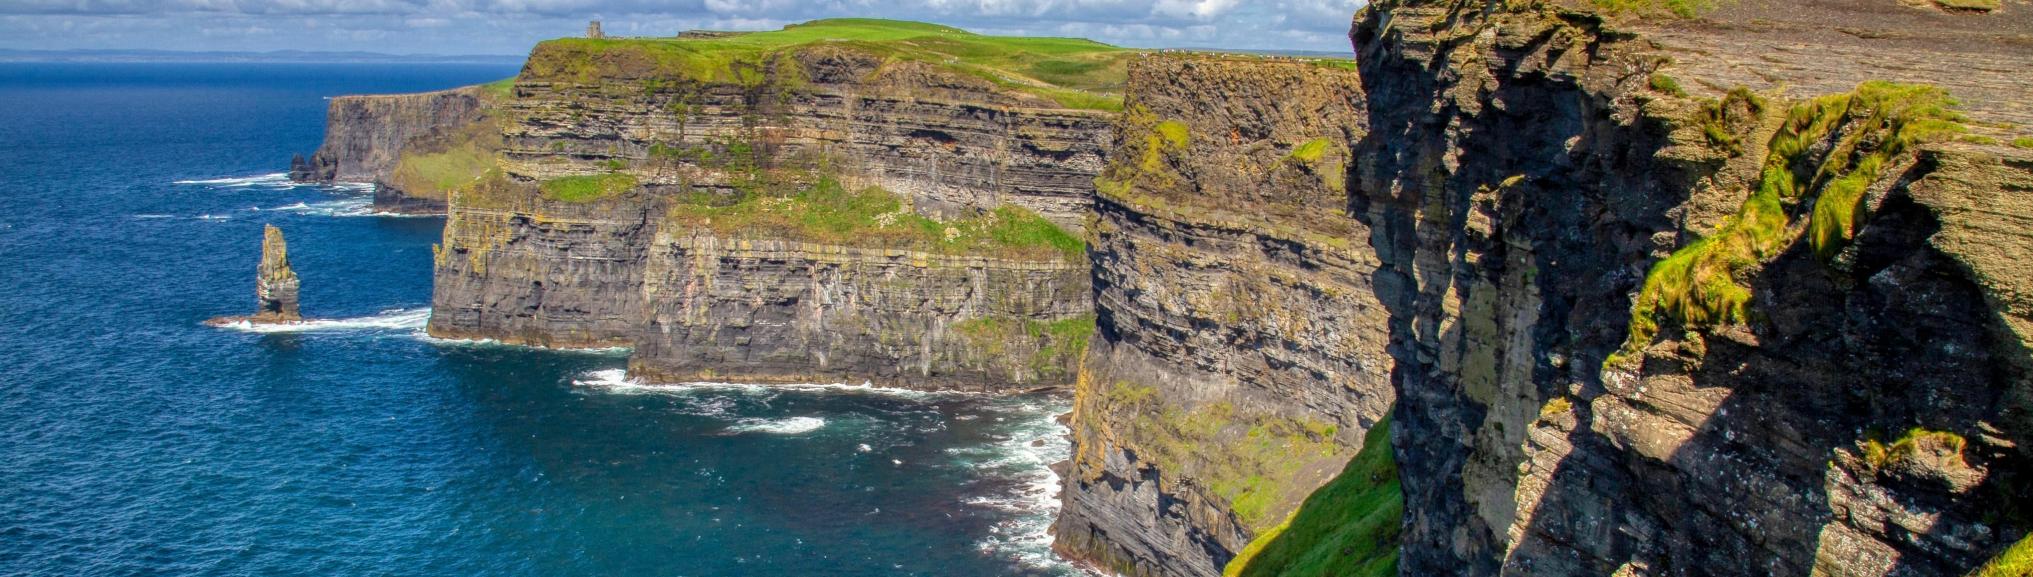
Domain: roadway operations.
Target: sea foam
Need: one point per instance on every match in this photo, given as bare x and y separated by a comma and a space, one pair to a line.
785, 426
272, 180
388, 320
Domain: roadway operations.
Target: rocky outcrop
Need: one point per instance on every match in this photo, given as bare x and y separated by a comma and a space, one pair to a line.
1644, 324
275, 285
1239, 357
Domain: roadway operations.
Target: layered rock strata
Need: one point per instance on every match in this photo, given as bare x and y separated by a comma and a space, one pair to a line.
784, 311
1239, 357
1644, 324
520, 265
949, 142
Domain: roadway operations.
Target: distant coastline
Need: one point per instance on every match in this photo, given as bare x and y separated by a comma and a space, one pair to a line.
278, 56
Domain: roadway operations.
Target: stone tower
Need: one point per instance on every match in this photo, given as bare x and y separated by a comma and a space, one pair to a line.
593, 30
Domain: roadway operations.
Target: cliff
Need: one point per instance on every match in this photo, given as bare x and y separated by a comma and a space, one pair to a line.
1240, 354
1680, 296
367, 136
780, 207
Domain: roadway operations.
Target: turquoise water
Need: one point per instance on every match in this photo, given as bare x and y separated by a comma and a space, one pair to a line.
134, 441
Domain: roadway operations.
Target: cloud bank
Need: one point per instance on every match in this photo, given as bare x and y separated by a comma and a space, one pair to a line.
511, 26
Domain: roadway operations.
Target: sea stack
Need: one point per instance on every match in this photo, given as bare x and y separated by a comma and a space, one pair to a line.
275, 285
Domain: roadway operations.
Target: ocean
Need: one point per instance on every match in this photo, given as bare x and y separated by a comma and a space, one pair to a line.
136, 441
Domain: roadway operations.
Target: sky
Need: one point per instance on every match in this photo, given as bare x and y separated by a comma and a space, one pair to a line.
512, 26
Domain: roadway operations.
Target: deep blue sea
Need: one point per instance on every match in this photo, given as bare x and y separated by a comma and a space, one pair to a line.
134, 441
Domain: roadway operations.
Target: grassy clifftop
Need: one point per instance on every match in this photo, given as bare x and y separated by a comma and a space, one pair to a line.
1076, 73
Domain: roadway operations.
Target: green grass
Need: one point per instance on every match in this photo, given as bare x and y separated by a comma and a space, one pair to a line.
581, 189
1879, 454
1347, 528
435, 175
825, 212
1662, 83
1701, 285
1075, 73
502, 89
1310, 151
2023, 142
2014, 561
436, 166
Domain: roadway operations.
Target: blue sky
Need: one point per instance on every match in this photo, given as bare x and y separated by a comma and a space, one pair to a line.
511, 26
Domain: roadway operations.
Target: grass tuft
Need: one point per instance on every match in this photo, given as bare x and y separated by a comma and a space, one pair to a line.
1664, 84
2023, 142
1310, 151
1702, 285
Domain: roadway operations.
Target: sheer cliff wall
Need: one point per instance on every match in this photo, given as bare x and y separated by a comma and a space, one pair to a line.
522, 265
1659, 309
1239, 356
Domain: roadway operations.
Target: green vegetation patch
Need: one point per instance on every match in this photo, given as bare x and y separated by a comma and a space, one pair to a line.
1703, 284
1310, 151
502, 89
436, 166
2023, 142
580, 189
1060, 343
1662, 83
1141, 161
2014, 561
1879, 455
825, 212
1075, 73
1248, 460
1347, 528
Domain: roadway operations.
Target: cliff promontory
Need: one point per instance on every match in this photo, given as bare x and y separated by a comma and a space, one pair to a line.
839, 200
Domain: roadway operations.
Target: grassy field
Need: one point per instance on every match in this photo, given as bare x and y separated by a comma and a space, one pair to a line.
827, 213
1076, 73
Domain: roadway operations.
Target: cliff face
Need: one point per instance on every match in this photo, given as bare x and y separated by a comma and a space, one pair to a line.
520, 269
793, 138
1239, 357
1644, 326
781, 311
947, 141
366, 136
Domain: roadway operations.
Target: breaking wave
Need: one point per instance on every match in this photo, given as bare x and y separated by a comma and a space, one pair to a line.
274, 180
785, 426
1024, 457
388, 320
